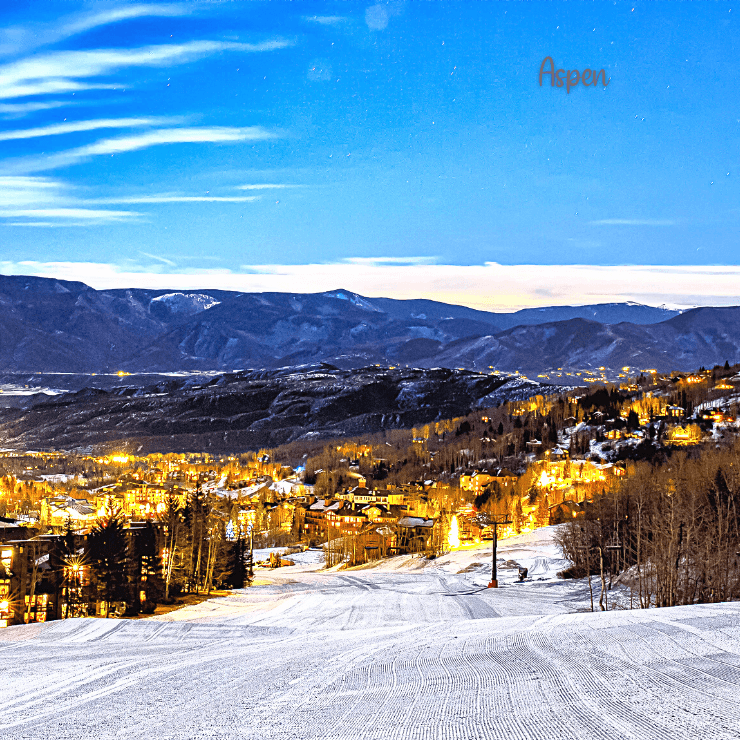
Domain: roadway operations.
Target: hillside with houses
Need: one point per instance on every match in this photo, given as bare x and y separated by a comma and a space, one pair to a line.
188, 523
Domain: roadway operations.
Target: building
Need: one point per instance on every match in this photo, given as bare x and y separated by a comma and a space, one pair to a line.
30, 584
58, 510
414, 534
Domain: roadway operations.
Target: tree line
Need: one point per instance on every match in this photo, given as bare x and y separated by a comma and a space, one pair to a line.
189, 549
672, 528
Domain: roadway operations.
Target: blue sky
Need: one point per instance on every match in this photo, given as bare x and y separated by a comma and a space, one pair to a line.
401, 149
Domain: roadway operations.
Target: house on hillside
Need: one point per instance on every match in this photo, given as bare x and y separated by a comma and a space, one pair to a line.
684, 435
414, 534
345, 520
564, 512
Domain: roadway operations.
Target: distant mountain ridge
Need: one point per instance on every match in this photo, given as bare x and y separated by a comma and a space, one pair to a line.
253, 409
49, 325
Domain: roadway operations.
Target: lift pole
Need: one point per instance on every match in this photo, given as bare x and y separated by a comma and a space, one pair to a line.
494, 571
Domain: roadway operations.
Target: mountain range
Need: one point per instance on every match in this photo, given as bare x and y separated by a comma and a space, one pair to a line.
253, 409
49, 325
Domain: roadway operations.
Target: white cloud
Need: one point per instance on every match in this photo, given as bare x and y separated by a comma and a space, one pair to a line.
50, 224
50, 87
17, 40
119, 145
27, 191
27, 183
490, 287
59, 71
43, 193
124, 13
213, 134
633, 222
325, 20
266, 186
167, 198
18, 110
88, 214
163, 260
77, 126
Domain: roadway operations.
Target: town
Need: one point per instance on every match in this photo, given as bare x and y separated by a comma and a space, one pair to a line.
120, 535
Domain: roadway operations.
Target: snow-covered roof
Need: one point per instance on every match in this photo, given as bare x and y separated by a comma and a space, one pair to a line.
415, 521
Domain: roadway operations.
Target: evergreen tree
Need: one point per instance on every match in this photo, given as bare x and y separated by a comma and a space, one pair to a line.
108, 554
147, 574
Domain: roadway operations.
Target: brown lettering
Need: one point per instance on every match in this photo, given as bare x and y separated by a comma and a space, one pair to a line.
544, 72
572, 81
571, 78
604, 81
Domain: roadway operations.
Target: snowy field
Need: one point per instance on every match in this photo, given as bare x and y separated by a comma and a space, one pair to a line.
411, 649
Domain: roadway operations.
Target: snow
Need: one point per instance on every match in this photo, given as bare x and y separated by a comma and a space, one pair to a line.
410, 649
186, 303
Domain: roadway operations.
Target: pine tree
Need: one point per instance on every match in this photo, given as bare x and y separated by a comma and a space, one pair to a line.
108, 558
148, 582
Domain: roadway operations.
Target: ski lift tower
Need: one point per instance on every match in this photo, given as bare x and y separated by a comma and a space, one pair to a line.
493, 522
250, 571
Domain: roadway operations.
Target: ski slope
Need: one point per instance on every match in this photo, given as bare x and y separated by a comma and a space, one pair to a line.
412, 649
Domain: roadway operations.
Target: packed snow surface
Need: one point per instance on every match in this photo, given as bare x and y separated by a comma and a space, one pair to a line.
410, 649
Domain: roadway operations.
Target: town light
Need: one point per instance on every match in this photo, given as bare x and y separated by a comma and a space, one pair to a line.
453, 538
4, 606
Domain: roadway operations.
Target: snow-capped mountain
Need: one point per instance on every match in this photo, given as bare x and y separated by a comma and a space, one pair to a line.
52, 325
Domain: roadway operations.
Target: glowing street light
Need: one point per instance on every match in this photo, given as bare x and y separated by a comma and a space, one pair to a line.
453, 537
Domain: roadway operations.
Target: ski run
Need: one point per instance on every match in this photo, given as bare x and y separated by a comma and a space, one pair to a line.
409, 649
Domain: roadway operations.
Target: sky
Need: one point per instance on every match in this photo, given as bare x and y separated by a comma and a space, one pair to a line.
402, 149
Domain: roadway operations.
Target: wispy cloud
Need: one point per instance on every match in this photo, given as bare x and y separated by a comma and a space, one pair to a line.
86, 214
125, 13
50, 86
266, 186
164, 260
52, 224
18, 110
42, 199
77, 126
27, 191
119, 145
47, 202
325, 20
18, 40
633, 222
62, 71
172, 198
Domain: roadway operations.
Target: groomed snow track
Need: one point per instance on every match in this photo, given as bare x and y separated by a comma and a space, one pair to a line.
375, 655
